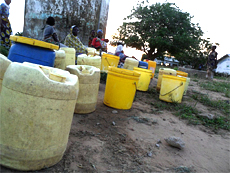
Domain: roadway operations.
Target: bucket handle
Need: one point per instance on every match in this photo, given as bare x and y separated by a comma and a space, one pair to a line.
107, 60
181, 84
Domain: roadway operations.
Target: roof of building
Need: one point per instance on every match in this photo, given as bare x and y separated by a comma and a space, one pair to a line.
225, 56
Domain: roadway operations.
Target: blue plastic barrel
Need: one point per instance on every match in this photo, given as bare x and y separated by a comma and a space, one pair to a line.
143, 65
20, 52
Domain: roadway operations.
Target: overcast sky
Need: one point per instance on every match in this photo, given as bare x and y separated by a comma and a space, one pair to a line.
212, 16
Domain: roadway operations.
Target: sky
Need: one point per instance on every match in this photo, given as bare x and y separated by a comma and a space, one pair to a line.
212, 16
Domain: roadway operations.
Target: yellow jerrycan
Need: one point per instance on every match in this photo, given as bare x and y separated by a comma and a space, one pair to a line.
130, 63
70, 54
89, 80
91, 51
60, 59
166, 71
4, 63
83, 59
36, 114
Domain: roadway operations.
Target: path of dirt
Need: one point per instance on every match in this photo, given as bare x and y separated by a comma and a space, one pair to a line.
96, 144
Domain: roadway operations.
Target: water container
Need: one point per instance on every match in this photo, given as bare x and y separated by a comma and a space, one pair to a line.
20, 52
167, 71
109, 60
130, 63
70, 54
60, 59
186, 84
151, 66
145, 78
36, 115
89, 80
143, 65
83, 59
172, 88
120, 88
4, 63
181, 73
91, 51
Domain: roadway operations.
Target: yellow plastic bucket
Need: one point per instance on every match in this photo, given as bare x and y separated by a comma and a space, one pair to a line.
167, 71
181, 73
172, 88
120, 88
109, 60
151, 66
145, 78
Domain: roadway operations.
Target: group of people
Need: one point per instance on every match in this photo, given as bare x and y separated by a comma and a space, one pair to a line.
72, 40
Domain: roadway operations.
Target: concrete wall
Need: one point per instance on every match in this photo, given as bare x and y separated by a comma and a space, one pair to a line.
83, 13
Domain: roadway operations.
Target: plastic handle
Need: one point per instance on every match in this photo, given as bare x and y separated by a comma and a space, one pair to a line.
107, 61
181, 84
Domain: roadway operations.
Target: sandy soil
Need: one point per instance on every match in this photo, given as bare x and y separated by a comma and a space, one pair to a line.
97, 145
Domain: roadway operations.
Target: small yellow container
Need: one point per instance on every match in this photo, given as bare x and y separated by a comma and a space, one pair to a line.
109, 60
130, 63
166, 71
120, 88
70, 56
151, 66
172, 88
145, 78
60, 59
181, 73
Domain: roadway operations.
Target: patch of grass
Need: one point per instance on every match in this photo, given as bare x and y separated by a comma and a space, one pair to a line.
222, 87
195, 80
221, 105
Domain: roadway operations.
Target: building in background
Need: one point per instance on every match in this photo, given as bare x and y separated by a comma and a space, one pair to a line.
86, 14
168, 61
223, 65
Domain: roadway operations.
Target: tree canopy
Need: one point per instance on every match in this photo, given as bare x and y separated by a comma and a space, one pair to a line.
158, 29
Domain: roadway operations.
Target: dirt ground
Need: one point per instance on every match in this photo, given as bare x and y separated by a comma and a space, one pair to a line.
104, 141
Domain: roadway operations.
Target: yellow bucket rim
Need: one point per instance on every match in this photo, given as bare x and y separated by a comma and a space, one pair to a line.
123, 71
142, 70
33, 42
174, 77
111, 56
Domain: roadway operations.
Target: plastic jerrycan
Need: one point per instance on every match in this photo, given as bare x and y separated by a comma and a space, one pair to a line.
91, 51
83, 59
120, 89
151, 66
130, 63
36, 114
60, 59
89, 80
70, 54
172, 88
4, 63
166, 71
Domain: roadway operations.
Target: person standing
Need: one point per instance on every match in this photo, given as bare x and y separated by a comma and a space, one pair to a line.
211, 63
5, 24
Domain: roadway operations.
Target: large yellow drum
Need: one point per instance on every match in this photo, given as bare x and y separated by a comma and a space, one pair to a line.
36, 114
120, 88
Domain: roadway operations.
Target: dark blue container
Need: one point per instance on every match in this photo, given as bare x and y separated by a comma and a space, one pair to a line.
20, 52
143, 65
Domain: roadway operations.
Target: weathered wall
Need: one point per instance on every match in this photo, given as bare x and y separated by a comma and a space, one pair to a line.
83, 13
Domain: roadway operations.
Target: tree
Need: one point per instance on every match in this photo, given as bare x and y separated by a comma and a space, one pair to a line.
159, 29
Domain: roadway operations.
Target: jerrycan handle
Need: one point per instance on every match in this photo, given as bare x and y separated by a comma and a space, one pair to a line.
181, 84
